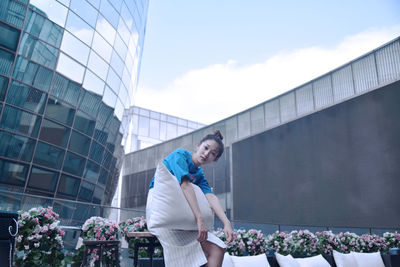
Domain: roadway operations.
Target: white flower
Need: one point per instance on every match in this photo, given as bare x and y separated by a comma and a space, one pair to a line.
54, 225
26, 247
19, 238
36, 245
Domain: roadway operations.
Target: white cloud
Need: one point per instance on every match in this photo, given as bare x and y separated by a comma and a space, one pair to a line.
218, 91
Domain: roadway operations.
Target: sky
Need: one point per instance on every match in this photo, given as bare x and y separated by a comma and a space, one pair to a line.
207, 60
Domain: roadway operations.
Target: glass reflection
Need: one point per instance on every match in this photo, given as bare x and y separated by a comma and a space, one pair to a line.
32, 74
109, 97
106, 29
86, 191
43, 28
84, 123
65, 89
59, 111
97, 64
117, 63
6, 61
12, 13
26, 97
43, 179
110, 13
16, 120
93, 83
9, 36
68, 186
84, 10
48, 155
79, 28
13, 173
16, 147
74, 164
75, 48
3, 87
54, 133
79, 143
96, 152
101, 47
92, 171
113, 81
70, 68
53, 10
38, 51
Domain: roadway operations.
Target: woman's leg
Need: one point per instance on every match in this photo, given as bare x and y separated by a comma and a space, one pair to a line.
214, 254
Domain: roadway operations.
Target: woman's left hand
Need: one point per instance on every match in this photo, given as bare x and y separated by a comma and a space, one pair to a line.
228, 232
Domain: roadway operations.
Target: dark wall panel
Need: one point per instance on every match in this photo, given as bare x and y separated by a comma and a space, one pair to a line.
337, 167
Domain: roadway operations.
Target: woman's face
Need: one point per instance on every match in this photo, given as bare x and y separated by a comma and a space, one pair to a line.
206, 152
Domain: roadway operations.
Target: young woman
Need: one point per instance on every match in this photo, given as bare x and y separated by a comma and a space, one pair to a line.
184, 248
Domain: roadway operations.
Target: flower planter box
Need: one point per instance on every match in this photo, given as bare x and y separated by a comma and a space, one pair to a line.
145, 262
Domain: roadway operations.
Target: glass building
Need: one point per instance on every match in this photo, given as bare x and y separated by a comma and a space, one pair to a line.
68, 69
148, 127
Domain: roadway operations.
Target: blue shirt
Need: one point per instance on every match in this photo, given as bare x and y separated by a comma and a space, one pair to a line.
180, 164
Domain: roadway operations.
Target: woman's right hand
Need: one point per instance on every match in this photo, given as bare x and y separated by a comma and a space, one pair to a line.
203, 233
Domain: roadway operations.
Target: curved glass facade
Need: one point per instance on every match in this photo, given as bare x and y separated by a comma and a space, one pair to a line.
68, 69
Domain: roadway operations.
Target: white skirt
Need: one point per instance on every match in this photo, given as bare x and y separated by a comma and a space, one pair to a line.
180, 247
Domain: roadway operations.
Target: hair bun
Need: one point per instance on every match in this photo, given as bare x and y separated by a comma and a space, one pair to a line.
218, 134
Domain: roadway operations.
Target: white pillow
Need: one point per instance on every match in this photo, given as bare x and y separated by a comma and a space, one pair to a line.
286, 261
368, 259
227, 262
167, 206
344, 260
250, 261
314, 261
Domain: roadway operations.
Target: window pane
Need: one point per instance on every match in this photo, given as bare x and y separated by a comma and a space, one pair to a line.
105, 113
102, 47
48, 155
110, 13
79, 143
73, 47
98, 195
106, 29
68, 186
16, 147
3, 87
12, 12
74, 164
93, 83
38, 51
59, 111
97, 64
16, 120
32, 74
26, 97
84, 10
89, 104
54, 133
9, 36
43, 28
79, 28
86, 191
65, 89
6, 61
107, 160
84, 123
70, 68
92, 171
154, 129
54, 10
103, 176
13, 173
43, 179
96, 152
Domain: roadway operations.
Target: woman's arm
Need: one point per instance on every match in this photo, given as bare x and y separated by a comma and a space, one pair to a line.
216, 206
190, 196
